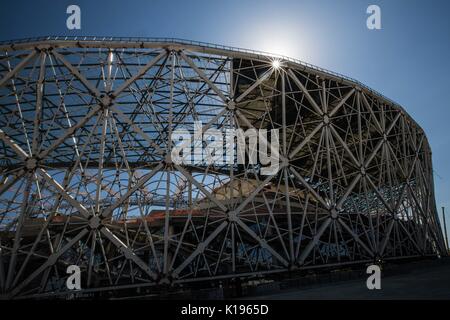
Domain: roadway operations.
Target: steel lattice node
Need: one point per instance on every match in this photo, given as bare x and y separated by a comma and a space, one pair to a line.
87, 177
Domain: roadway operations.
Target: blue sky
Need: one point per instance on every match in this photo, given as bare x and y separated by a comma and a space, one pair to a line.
407, 60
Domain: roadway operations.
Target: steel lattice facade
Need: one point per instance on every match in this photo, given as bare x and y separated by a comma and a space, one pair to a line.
86, 177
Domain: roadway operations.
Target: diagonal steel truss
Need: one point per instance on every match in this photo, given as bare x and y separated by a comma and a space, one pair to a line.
85, 179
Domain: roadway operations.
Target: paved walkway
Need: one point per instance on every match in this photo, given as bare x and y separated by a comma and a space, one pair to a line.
431, 282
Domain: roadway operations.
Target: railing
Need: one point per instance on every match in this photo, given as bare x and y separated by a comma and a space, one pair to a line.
199, 44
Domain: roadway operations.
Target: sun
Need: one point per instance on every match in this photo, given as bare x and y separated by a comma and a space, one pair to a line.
276, 64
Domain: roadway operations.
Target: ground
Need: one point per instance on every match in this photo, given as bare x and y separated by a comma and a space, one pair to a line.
425, 282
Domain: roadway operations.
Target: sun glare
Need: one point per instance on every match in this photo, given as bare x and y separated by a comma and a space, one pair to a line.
276, 64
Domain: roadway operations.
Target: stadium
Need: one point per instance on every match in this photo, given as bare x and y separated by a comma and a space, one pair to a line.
87, 178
